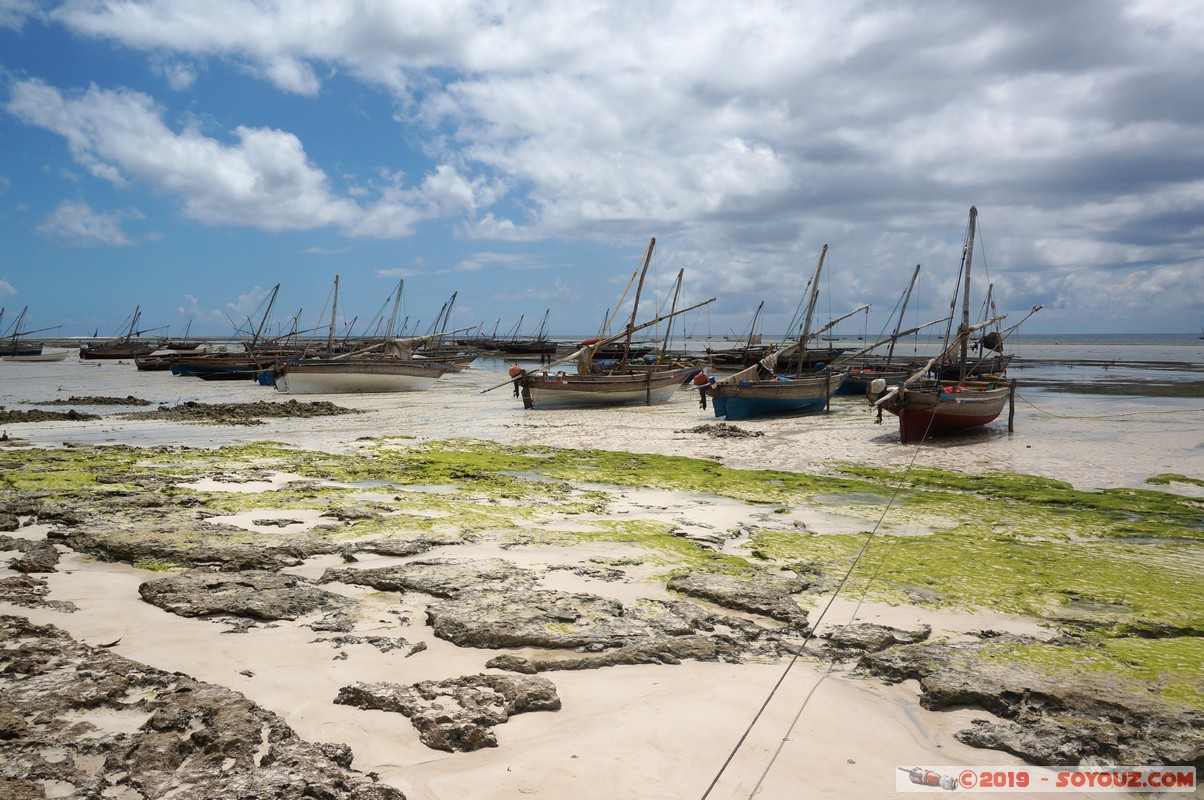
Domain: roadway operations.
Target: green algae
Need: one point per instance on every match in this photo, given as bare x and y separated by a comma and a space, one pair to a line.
1169, 668
1114, 566
156, 566
1168, 478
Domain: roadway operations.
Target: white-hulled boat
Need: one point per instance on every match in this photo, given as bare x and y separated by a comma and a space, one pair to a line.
355, 375
45, 355
395, 370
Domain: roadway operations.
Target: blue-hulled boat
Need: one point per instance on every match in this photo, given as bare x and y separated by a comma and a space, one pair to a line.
759, 391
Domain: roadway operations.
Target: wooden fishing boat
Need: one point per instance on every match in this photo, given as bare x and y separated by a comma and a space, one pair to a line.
11, 344
44, 355
759, 391
560, 390
363, 372
123, 346
381, 367
929, 406
863, 373
621, 384
748, 352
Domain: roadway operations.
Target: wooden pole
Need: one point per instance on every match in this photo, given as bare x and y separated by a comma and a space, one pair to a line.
1011, 405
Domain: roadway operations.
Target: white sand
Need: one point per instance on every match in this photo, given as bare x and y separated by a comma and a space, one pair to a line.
624, 732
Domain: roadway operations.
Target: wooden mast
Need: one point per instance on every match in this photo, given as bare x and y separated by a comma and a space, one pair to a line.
963, 330
890, 351
635, 303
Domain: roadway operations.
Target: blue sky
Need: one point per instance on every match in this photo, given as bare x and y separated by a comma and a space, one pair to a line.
185, 158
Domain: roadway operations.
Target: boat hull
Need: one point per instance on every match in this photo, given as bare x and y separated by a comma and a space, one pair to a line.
581, 391
859, 380
355, 377
45, 355
774, 398
926, 413
20, 349
212, 369
102, 351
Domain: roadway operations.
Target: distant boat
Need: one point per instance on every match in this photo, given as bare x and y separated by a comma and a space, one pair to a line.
366, 374
393, 369
13, 345
45, 355
538, 346
862, 373
123, 346
745, 354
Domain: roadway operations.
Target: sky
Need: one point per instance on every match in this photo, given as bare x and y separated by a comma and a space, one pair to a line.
186, 158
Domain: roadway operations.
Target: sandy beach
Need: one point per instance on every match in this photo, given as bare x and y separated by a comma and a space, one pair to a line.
636, 730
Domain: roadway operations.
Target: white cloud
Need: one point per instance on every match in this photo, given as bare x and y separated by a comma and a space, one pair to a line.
262, 179
755, 131
78, 225
6, 288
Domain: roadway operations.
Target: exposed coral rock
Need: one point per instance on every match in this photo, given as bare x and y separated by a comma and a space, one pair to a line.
177, 737
458, 713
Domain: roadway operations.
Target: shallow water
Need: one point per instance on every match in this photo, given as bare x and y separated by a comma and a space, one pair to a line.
1070, 423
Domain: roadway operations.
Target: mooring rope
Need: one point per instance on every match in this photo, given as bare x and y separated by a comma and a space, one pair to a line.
1109, 416
811, 634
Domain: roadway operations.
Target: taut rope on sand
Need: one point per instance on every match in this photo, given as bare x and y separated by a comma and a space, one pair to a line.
807, 639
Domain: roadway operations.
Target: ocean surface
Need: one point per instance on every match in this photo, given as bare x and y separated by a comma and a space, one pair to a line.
1097, 411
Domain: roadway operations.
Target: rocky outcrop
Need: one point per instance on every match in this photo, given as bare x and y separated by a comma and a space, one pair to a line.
30, 592
602, 631
176, 537
1046, 717
148, 733
240, 413
34, 555
768, 595
457, 714
254, 594
863, 637
441, 577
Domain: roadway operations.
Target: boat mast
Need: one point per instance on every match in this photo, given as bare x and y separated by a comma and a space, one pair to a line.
669, 324
890, 351
396, 305
133, 322
635, 303
805, 332
262, 322
754, 338
963, 330
334, 313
